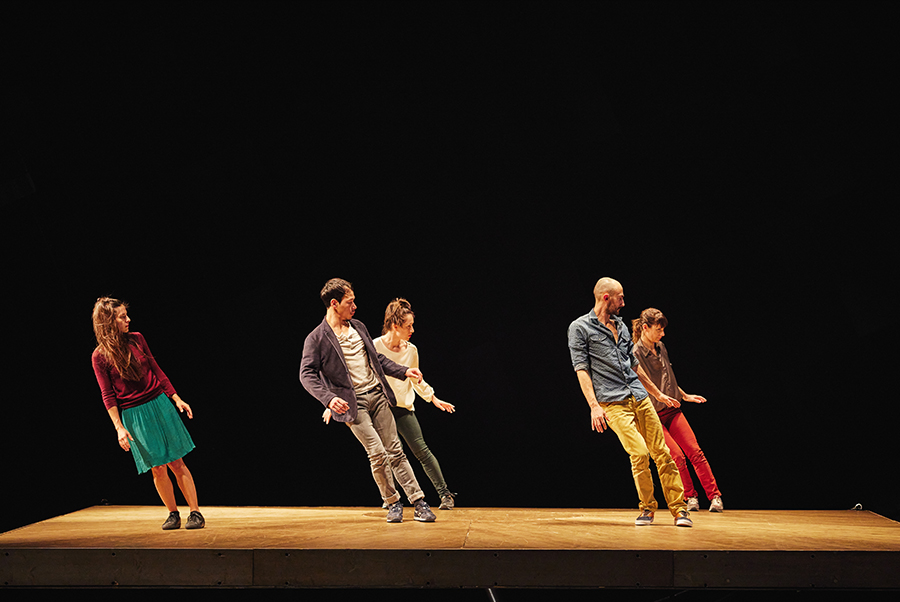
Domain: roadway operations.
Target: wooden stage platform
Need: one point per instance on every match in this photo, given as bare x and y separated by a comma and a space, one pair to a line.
252, 547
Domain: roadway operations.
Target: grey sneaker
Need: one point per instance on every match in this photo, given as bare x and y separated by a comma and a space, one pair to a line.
646, 518
395, 512
424, 513
446, 502
683, 519
693, 504
716, 505
195, 521
173, 522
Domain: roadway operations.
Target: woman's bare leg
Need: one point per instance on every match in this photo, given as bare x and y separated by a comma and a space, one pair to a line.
185, 483
164, 487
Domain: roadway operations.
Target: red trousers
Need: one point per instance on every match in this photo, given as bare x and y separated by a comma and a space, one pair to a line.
683, 447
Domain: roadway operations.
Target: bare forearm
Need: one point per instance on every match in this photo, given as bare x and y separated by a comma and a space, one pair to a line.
599, 419
122, 433
587, 387
690, 397
114, 416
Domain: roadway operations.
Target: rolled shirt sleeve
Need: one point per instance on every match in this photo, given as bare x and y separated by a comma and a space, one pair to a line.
609, 362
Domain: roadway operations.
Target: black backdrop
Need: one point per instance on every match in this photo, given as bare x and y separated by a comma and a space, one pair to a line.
214, 164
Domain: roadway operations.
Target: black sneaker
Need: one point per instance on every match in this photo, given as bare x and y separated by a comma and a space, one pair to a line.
195, 521
423, 512
395, 512
646, 518
173, 522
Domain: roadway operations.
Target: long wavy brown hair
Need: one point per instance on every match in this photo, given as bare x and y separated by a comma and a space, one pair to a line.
115, 346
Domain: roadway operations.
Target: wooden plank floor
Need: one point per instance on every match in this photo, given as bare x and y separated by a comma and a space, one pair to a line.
466, 547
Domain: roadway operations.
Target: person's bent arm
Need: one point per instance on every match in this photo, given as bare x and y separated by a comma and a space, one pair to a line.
653, 389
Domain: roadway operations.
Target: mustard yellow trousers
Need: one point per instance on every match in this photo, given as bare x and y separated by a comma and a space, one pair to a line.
637, 425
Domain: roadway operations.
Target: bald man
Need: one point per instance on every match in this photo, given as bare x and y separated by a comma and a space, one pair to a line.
615, 387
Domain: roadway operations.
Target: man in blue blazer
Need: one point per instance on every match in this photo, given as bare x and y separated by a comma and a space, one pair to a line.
341, 369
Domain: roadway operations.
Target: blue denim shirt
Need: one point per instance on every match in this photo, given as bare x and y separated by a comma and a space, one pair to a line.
610, 364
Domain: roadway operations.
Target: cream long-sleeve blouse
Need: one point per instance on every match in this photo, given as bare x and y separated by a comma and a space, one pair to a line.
405, 390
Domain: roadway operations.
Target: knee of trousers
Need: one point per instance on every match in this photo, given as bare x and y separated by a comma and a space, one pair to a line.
393, 449
378, 457
663, 457
697, 457
665, 460
640, 461
396, 457
420, 451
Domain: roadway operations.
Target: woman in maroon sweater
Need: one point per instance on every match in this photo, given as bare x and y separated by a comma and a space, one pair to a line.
136, 394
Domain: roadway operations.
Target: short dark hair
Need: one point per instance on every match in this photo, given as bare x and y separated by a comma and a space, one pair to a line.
335, 288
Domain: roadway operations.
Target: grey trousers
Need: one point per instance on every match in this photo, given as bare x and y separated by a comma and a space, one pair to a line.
376, 430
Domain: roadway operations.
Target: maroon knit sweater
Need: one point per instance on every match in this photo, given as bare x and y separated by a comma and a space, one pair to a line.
129, 393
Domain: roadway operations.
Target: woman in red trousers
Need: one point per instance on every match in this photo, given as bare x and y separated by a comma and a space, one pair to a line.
647, 333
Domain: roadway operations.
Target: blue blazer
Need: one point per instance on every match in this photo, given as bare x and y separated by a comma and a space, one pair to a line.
324, 373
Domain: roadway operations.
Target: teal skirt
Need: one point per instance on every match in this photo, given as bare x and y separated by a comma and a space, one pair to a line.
159, 435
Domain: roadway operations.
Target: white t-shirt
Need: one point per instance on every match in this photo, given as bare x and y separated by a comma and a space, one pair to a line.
361, 373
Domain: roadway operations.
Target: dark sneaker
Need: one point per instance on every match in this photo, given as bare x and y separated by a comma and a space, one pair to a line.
424, 513
195, 521
395, 512
173, 522
447, 502
646, 518
683, 519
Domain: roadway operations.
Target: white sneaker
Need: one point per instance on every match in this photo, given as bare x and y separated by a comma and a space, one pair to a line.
693, 504
716, 505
